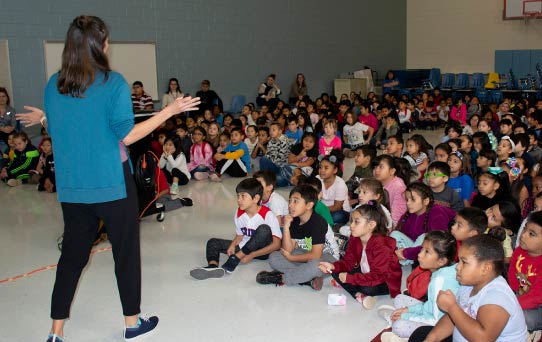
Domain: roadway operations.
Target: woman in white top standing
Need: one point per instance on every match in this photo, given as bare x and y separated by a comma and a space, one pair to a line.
173, 92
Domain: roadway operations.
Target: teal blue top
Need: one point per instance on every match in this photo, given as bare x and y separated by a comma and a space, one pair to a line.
86, 133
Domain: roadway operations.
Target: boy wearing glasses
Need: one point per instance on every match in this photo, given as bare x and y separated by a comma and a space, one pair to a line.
436, 177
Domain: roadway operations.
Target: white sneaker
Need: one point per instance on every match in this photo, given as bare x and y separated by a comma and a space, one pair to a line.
368, 302
385, 312
391, 337
14, 182
174, 189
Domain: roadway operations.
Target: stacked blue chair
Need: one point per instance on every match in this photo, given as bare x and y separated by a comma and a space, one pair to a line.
462, 81
434, 77
482, 95
448, 82
478, 80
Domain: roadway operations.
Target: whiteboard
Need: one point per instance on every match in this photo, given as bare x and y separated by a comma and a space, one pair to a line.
136, 61
5, 70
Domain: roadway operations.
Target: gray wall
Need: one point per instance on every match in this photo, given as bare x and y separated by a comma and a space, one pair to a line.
234, 43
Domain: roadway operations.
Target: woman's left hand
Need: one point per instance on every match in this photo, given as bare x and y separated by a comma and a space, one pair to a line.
182, 104
30, 118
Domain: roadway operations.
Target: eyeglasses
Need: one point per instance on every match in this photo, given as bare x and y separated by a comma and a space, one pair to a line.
434, 174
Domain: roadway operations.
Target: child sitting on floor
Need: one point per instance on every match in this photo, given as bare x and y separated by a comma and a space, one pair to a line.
408, 313
234, 160
484, 308
25, 158
173, 164
307, 240
421, 217
369, 267
270, 198
201, 155
257, 234
437, 176
524, 274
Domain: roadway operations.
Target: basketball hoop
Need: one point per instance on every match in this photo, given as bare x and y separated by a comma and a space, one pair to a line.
532, 9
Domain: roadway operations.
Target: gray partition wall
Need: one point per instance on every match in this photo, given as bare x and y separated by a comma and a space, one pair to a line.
234, 43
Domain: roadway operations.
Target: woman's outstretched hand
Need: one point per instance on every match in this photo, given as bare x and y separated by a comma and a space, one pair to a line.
30, 118
182, 104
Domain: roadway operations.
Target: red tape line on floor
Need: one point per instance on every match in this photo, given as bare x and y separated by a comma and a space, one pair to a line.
46, 268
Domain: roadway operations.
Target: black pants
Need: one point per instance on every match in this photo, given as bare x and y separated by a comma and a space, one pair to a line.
378, 290
234, 169
80, 225
262, 237
183, 179
420, 334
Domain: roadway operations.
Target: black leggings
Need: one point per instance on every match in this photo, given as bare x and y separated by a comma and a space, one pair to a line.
420, 334
183, 179
80, 226
234, 169
261, 238
378, 290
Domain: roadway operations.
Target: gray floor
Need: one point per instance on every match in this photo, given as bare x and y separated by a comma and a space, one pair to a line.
234, 308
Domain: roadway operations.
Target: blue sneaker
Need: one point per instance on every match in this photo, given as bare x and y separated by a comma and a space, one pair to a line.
145, 325
55, 338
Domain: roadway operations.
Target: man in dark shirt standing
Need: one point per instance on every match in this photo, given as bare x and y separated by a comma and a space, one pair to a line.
209, 98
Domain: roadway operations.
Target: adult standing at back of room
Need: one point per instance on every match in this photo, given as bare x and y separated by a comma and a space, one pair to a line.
86, 99
209, 98
173, 92
7, 116
299, 89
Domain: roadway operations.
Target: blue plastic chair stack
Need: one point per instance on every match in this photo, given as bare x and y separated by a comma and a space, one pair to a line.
462, 81
434, 77
478, 80
237, 104
448, 82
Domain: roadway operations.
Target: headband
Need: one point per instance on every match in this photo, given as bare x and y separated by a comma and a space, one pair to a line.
506, 137
457, 154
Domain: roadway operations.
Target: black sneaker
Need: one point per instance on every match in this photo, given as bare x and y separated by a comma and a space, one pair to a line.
202, 273
146, 325
273, 277
230, 264
55, 338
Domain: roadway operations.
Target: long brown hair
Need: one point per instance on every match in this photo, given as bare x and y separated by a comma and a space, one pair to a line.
83, 55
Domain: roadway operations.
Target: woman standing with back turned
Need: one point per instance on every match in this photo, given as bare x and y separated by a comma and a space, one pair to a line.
88, 113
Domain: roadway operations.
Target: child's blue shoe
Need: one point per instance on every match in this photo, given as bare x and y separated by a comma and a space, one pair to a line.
144, 326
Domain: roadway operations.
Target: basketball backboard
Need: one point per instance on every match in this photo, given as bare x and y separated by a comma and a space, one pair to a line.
522, 9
